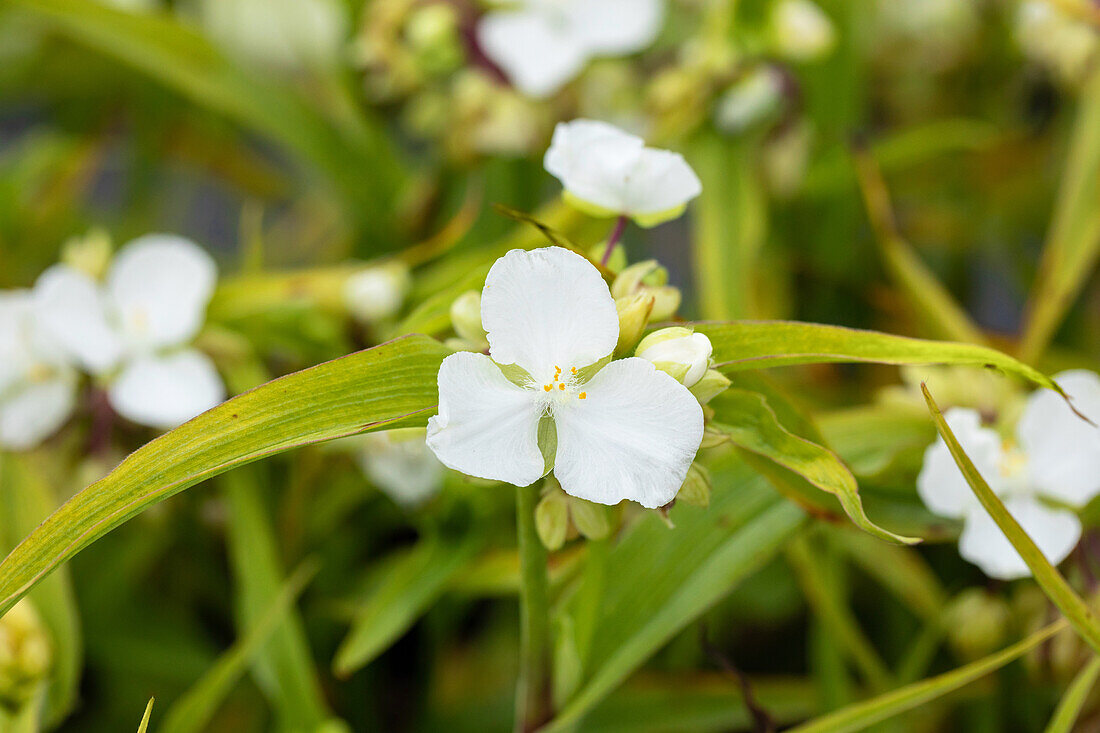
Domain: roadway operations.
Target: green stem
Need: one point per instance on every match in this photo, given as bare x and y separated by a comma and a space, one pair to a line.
533, 706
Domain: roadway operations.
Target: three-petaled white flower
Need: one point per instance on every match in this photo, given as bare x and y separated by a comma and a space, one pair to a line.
627, 431
1053, 466
542, 44
37, 380
400, 464
608, 172
133, 329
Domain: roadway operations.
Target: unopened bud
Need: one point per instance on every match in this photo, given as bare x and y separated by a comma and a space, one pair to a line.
752, 99
590, 519
432, 35
649, 278
634, 313
25, 655
91, 254
678, 352
801, 30
713, 438
377, 293
466, 317
977, 622
696, 488
710, 386
552, 519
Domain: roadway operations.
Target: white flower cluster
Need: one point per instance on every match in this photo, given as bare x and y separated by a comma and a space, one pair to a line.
131, 332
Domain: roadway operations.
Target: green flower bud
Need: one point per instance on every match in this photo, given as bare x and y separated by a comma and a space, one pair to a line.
25, 655
466, 317
712, 438
432, 35
649, 278
977, 623
91, 254
552, 519
377, 293
696, 488
710, 386
634, 313
590, 519
678, 352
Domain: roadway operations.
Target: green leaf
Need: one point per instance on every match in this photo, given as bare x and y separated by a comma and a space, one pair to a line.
1059, 592
193, 710
1069, 707
764, 344
144, 725
389, 386
862, 715
664, 578
406, 589
283, 667
751, 424
1073, 243
354, 155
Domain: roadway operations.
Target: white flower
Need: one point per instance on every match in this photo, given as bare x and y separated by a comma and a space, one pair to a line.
626, 432
289, 34
801, 30
377, 293
133, 329
1056, 40
542, 44
37, 382
679, 352
608, 172
400, 463
1055, 461
755, 97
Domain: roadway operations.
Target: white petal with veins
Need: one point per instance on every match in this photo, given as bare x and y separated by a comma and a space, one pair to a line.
166, 391
1054, 531
941, 485
72, 309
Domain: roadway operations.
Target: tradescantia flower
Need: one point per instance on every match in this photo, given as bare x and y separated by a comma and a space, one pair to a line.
37, 380
542, 44
623, 429
608, 172
399, 463
1053, 467
133, 329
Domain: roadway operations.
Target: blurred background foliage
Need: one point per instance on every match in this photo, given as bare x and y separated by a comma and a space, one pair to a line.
904, 177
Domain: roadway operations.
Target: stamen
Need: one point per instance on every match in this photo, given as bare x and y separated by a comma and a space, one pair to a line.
583, 396
561, 386
547, 387
573, 370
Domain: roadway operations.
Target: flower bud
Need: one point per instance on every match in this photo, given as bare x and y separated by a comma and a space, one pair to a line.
712, 438
432, 35
696, 488
751, 100
590, 519
466, 317
649, 278
552, 519
25, 655
801, 30
678, 352
976, 622
377, 293
91, 254
634, 313
710, 386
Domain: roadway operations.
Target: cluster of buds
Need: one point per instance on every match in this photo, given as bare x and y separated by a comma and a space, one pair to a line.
559, 517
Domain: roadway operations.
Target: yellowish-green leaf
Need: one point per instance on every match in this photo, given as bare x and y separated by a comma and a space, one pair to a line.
1059, 592
144, 725
1069, 707
389, 386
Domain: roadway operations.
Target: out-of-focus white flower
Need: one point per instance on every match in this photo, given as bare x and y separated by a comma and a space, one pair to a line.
608, 172
679, 352
290, 34
752, 99
133, 329
1056, 458
400, 463
801, 30
377, 293
1055, 40
626, 431
542, 44
37, 381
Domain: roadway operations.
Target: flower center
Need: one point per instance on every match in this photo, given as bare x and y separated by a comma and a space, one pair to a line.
1013, 468
561, 385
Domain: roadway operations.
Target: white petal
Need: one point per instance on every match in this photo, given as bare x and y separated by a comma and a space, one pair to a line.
402, 466
70, 306
166, 391
486, 426
616, 27
535, 53
33, 412
1054, 531
547, 308
15, 355
160, 285
633, 436
1063, 450
661, 182
941, 485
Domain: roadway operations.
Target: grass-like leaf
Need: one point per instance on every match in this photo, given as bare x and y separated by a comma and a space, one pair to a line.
1069, 707
1059, 592
144, 725
389, 386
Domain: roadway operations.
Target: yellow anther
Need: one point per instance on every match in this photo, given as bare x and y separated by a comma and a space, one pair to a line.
583, 395
573, 370
561, 386
547, 387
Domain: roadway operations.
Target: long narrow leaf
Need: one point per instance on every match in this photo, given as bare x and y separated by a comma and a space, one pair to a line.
1069, 707
144, 725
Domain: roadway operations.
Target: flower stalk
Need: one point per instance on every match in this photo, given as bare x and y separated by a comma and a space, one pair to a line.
533, 706
613, 239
